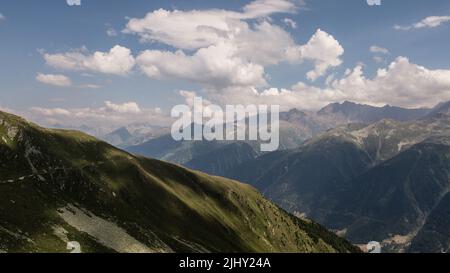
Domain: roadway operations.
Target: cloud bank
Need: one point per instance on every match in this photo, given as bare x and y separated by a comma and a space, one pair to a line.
223, 48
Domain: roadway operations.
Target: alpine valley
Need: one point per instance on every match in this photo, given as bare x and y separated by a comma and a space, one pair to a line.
59, 187
368, 173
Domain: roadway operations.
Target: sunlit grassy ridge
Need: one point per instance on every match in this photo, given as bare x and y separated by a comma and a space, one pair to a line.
163, 206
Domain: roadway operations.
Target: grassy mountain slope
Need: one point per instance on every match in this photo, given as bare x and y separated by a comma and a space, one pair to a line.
59, 186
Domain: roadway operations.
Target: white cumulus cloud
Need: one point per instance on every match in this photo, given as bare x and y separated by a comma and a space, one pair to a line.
214, 65
290, 23
118, 61
402, 83
52, 79
111, 32
261, 8
127, 107
73, 2
51, 111
104, 119
324, 51
200, 28
378, 49
428, 22
224, 48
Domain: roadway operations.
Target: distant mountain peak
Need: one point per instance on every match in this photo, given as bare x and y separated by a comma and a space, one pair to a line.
440, 110
295, 111
347, 102
292, 114
118, 136
350, 112
123, 131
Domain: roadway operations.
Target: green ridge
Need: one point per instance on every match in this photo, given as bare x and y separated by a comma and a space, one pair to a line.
45, 174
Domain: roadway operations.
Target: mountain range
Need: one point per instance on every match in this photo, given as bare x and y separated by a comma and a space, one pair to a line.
368, 173
388, 181
59, 187
296, 127
349, 112
134, 134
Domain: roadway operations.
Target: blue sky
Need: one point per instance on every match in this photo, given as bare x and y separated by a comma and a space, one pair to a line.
31, 29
